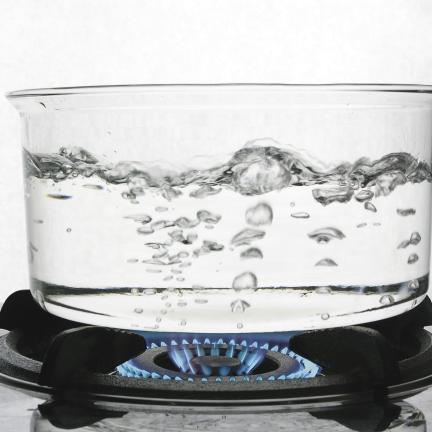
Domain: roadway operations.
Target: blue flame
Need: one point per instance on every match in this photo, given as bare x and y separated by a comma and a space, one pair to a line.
261, 339
248, 349
248, 358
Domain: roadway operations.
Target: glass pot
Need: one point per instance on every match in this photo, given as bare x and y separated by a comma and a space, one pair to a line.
227, 208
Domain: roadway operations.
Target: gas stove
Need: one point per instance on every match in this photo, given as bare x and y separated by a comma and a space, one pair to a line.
354, 376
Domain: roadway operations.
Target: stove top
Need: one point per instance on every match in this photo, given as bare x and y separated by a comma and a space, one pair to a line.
25, 413
89, 374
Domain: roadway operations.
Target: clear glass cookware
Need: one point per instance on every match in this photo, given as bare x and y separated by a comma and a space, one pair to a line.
227, 208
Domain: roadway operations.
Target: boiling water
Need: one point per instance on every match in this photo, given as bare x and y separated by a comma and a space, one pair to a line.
264, 239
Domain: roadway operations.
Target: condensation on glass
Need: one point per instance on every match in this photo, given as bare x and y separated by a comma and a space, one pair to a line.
228, 208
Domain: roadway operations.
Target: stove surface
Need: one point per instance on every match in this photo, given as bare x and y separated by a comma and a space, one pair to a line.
20, 414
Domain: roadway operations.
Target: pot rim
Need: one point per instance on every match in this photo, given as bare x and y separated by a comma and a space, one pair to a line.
218, 87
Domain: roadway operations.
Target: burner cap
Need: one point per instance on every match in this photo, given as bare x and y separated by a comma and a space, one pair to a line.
216, 362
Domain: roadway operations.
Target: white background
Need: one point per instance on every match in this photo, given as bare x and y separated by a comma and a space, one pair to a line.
82, 42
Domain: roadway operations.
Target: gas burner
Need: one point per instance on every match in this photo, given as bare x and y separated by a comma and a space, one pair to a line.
45, 355
208, 359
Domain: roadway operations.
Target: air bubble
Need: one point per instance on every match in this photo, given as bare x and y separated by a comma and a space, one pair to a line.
161, 224
204, 191
239, 305
138, 310
328, 196
135, 291
154, 245
177, 236
145, 230
415, 238
413, 258
182, 303
175, 271
180, 279
239, 326
404, 244
158, 319
137, 190
170, 193
364, 195
323, 290
128, 195
324, 235
413, 285
387, 299
300, 215
183, 322
246, 280
132, 260
325, 316
369, 206
252, 252
208, 217
59, 196
149, 291
191, 237
212, 245
246, 236
261, 214
200, 301
207, 247
326, 262
68, 230
184, 222
406, 212
139, 218
160, 254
